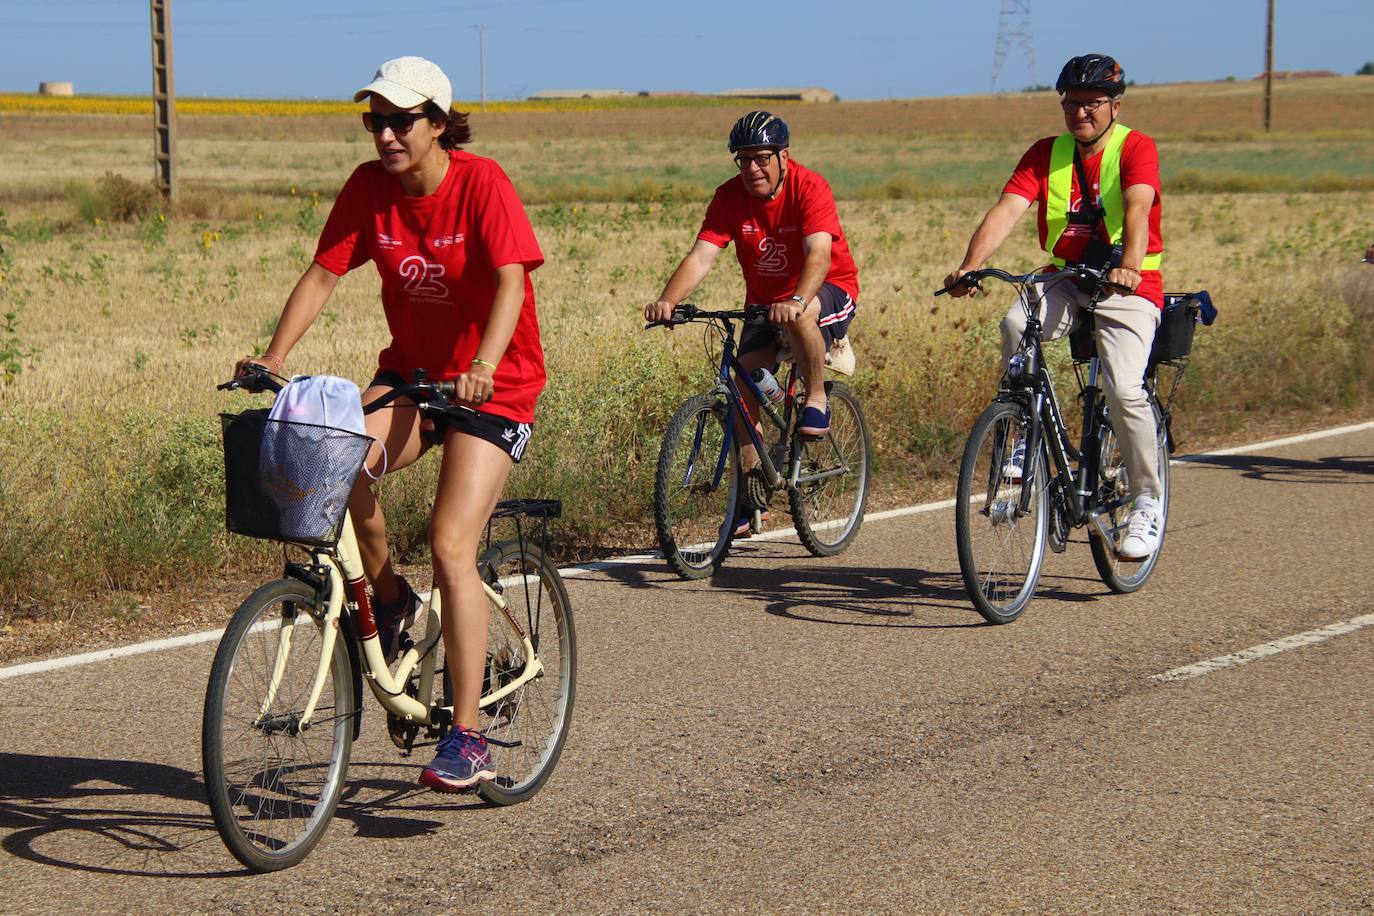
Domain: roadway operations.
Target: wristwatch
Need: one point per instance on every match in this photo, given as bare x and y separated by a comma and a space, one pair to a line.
795, 298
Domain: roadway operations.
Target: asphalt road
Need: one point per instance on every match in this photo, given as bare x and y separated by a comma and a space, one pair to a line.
803, 734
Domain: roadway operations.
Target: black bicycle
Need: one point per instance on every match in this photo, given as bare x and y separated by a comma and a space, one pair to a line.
1008, 511
699, 487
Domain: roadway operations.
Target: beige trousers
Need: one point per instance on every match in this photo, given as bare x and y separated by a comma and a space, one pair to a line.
1125, 330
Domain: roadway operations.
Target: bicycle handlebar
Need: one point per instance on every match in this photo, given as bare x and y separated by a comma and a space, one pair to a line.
973, 279
252, 378
686, 312
430, 395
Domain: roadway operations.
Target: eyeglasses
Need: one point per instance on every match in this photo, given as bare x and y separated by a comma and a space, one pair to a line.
762, 160
1070, 106
400, 123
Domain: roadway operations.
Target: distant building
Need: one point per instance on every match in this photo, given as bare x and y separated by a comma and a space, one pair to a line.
809, 94
549, 94
58, 88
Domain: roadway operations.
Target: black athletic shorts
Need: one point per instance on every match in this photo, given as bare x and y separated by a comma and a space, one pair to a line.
507, 435
837, 309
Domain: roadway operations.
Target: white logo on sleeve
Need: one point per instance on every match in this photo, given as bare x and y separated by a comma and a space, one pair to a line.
422, 278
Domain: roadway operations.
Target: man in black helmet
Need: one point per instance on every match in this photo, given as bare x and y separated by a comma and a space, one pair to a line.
781, 217
1097, 186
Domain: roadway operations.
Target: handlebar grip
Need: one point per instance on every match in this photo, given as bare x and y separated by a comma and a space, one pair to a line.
253, 378
447, 389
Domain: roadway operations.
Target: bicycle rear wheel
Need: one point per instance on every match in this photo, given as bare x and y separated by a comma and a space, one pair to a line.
832, 489
526, 729
1000, 551
273, 785
1125, 576
696, 487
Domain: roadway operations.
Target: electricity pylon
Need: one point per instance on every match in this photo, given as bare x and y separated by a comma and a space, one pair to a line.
1013, 29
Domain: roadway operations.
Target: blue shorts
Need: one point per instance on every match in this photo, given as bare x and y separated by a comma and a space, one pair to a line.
837, 310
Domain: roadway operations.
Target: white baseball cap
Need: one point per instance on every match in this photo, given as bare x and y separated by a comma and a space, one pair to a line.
409, 81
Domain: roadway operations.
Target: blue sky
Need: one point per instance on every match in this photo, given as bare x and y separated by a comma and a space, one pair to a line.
859, 48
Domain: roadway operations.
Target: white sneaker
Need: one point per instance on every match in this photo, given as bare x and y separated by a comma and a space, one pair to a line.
1142, 530
1014, 464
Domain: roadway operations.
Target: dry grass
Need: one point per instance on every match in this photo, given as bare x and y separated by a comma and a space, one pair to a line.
111, 447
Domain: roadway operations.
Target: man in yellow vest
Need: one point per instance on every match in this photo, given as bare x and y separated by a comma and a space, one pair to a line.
1097, 186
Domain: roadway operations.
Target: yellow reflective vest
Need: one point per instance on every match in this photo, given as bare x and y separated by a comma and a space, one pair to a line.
1109, 187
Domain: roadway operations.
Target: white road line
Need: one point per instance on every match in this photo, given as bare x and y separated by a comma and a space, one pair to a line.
584, 569
1296, 641
1276, 443
103, 655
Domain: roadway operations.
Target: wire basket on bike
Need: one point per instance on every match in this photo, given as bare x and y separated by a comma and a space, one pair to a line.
288, 481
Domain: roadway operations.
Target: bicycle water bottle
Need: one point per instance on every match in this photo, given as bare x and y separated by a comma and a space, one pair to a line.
768, 385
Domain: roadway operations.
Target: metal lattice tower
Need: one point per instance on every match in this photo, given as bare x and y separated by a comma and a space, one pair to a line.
1013, 29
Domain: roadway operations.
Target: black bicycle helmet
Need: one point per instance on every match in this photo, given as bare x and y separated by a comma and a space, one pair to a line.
1092, 71
759, 128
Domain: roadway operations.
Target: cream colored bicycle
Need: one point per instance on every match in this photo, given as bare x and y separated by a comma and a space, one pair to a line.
284, 699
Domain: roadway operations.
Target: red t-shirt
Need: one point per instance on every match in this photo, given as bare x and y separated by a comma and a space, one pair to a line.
1139, 165
768, 233
437, 256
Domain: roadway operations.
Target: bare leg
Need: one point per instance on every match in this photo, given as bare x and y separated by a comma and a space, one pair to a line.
471, 479
398, 429
808, 352
764, 358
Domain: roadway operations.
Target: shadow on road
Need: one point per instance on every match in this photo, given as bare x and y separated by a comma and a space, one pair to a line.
843, 595
1339, 469
132, 817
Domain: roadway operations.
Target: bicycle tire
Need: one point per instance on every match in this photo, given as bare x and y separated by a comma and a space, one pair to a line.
1000, 554
535, 718
272, 792
1126, 576
834, 505
693, 511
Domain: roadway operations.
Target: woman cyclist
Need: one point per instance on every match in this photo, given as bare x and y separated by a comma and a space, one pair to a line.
454, 249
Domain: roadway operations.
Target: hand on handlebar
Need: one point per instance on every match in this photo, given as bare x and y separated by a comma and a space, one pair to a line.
658, 310
1123, 279
251, 375
956, 288
474, 387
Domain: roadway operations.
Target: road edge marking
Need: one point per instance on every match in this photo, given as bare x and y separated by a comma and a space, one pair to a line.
1264, 650
583, 569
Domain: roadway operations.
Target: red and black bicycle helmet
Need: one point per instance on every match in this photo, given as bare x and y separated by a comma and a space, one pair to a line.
1092, 71
759, 129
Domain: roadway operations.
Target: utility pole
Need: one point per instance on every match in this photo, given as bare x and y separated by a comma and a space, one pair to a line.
482, 64
1269, 67
1013, 28
164, 100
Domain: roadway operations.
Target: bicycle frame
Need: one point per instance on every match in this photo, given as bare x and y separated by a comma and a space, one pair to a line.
1078, 488
781, 466
347, 586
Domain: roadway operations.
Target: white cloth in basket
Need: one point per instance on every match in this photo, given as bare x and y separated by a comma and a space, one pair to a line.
309, 477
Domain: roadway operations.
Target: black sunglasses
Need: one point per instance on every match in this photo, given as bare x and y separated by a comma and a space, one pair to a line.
400, 123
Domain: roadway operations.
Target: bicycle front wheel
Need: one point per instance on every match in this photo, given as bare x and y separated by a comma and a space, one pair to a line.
832, 486
1001, 550
696, 487
526, 728
1120, 575
272, 781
